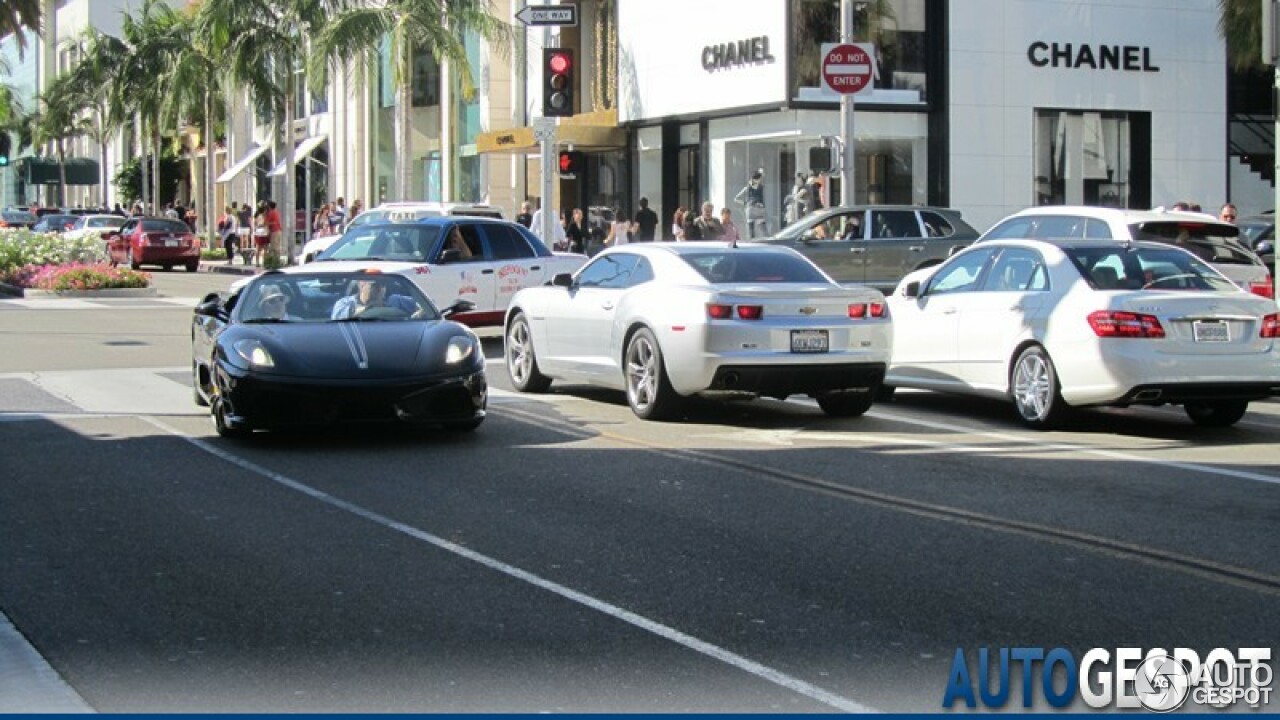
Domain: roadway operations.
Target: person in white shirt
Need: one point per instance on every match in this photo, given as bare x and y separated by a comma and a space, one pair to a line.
536, 228
619, 231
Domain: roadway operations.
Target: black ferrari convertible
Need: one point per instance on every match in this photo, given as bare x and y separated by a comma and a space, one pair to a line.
291, 349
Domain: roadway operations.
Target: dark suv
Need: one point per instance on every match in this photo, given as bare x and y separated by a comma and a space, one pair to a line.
876, 244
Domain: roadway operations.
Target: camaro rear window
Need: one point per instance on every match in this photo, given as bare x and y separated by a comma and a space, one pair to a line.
1135, 268
746, 266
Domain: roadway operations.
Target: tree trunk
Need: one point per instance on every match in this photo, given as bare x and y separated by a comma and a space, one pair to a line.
62, 174
155, 171
402, 119
209, 210
103, 177
144, 171
287, 220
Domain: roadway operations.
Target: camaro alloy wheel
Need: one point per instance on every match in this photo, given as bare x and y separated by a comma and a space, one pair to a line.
1035, 389
1216, 413
649, 392
522, 364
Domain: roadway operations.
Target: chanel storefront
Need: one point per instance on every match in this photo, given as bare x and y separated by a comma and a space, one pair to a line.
988, 106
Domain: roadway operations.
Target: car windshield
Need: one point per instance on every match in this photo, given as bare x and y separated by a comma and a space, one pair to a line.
21, 217
1211, 242
104, 222
741, 265
1130, 267
797, 228
403, 243
165, 226
1254, 228
324, 297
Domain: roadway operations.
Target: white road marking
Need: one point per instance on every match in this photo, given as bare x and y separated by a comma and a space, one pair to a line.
716, 652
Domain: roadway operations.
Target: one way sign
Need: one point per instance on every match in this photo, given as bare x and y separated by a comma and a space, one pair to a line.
559, 15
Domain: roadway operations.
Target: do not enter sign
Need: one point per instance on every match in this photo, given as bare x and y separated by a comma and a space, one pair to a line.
847, 69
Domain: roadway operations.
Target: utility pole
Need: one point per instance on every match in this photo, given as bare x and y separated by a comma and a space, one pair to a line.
1270, 52
548, 170
847, 154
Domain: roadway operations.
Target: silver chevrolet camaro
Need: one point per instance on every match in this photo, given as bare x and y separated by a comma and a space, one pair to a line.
664, 321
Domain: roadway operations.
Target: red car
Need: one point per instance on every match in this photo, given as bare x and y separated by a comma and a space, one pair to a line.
154, 241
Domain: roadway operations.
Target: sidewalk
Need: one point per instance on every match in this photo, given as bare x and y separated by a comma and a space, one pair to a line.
221, 266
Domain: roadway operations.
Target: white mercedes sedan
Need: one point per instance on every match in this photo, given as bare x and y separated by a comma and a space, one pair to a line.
664, 321
1066, 324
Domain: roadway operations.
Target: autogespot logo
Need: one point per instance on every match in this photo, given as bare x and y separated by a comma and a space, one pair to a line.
1159, 681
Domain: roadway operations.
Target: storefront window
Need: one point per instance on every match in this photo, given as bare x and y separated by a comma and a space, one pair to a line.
895, 27
1092, 158
426, 79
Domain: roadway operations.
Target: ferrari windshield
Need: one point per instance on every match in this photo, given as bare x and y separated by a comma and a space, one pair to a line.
323, 297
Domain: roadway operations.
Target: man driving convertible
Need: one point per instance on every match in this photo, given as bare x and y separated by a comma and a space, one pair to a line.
371, 293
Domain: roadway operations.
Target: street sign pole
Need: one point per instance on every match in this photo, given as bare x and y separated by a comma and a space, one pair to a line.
847, 154
547, 147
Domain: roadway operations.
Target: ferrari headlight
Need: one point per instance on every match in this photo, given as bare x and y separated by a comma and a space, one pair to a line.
461, 347
254, 353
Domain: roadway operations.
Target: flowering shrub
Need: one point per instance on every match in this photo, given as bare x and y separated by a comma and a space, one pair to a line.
21, 247
75, 276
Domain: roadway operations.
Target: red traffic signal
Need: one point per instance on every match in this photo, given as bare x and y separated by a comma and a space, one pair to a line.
557, 82
571, 163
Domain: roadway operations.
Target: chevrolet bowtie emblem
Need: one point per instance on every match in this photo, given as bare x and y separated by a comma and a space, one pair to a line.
808, 310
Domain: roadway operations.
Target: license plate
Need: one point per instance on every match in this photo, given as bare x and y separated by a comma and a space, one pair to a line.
809, 341
171, 242
1211, 331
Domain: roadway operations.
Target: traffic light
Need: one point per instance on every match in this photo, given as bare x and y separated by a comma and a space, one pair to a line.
5, 146
571, 163
557, 82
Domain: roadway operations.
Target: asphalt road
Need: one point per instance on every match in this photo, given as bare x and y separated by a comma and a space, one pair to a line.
567, 557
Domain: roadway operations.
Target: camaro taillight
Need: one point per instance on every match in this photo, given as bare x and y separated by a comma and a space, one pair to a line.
720, 311
1106, 323
1263, 288
1271, 326
857, 311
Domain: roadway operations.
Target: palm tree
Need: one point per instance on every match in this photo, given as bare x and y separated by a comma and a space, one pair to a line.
151, 44
198, 84
437, 26
16, 16
1240, 25
91, 81
60, 119
264, 43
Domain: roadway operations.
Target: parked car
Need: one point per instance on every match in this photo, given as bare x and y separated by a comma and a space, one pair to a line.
55, 223
1258, 232
17, 219
89, 223
153, 241
1216, 242
497, 259
876, 244
401, 212
1086, 322
272, 355
663, 321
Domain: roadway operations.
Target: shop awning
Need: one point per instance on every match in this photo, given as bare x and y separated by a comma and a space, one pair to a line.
242, 164
588, 131
44, 171
304, 148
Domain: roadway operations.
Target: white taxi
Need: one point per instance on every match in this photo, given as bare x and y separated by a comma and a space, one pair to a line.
494, 261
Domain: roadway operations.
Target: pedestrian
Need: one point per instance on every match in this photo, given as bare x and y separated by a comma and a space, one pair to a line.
337, 216
357, 207
708, 226
677, 224
751, 197
119, 211
647, 222
261, 235
576, 233
525, 217
275, 229
229, 232
171, 212
1228, 213
729, 231
797, 203
191, 218
619, 230
814, 187
689, 226
320, 223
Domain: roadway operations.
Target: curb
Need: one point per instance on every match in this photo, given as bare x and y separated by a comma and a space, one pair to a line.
103, 293
224, 269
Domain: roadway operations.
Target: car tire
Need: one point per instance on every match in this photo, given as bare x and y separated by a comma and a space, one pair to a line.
220, 424
196, 395
847, 404
193, 266
522, 363
885, 393
1034, 389
649, 391
1216, 413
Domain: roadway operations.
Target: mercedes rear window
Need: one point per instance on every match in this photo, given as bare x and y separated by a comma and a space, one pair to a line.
746, 266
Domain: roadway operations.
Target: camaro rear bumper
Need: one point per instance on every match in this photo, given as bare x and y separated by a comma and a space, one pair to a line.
783, 380
258, 401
